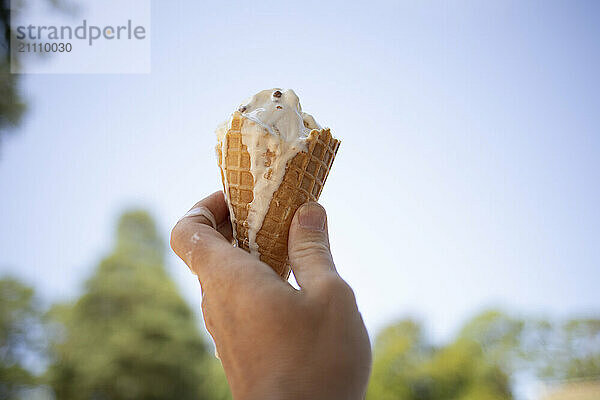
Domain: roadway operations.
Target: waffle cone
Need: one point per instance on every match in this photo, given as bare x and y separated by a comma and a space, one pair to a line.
303, 181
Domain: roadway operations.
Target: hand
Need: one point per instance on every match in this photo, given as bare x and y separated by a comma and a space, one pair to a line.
276, 342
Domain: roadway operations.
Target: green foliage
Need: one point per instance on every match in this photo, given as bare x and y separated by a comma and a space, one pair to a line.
12, 104
571, 350
406, 367
487, 351
219, 389
19, 323
556, 350
398, 351
130, 336
498, 335
461, 370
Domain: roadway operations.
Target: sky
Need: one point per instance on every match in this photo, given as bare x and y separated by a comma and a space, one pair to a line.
467, 176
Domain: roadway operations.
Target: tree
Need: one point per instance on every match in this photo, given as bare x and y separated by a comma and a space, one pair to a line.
569, 350
12, 103
407, 367
499, 335
478, 364
20, 325
462, 371
552, 349
399, 351
582, 339
130, 335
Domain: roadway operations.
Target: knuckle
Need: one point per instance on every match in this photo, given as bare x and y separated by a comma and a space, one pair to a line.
347, 292
311, 249
332, 286
176, 237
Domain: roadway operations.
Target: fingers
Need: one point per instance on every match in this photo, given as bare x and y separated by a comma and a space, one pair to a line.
194, 237
211, 211
208, 251
201, 212
308, 245
226, 230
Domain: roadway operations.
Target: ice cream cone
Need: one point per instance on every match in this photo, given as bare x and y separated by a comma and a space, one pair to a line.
305, 175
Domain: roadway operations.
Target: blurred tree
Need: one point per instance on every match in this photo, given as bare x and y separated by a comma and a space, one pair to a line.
399, 351
462, 371
406, 367
499, 336
569, 350
582, 349
20, 326
12, 103
557, 350
478, 364
130, 336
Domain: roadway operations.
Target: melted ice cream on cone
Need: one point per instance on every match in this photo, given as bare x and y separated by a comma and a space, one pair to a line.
272, 130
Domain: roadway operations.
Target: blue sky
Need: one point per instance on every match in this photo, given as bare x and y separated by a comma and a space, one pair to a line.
467, 176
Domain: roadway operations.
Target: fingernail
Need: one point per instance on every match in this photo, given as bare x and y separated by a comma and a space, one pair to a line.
312, 216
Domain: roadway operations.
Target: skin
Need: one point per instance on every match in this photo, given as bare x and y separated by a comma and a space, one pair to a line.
276, 342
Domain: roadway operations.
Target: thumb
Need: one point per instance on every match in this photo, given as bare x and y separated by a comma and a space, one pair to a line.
308, 244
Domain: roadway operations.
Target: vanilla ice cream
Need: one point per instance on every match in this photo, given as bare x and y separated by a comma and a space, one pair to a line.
274, 130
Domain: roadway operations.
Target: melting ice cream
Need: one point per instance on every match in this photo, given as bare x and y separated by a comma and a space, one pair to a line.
274, 130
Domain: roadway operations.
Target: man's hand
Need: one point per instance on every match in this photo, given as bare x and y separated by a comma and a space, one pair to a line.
276, 342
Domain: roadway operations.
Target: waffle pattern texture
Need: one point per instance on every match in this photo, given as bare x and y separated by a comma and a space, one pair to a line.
303, 181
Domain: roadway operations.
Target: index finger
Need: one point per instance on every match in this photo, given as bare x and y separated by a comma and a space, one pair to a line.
195, 235
206, 251
211, 210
